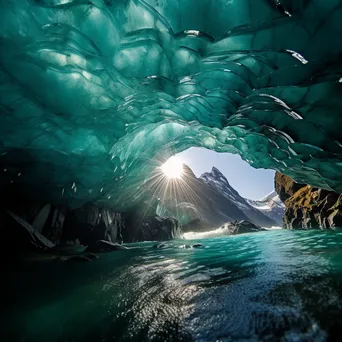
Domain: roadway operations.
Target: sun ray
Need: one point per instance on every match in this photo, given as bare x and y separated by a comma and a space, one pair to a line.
173, 168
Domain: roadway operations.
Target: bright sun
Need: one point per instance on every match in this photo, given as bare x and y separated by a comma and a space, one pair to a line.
173, 168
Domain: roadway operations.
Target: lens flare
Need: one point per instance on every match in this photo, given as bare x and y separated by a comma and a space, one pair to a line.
173, 168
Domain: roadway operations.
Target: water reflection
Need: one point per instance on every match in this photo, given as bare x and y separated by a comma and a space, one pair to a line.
272, 286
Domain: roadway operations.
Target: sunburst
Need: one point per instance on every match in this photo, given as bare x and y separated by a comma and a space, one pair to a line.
173, 168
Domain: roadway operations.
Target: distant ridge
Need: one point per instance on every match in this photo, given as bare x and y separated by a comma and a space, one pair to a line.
271, 206
211, 199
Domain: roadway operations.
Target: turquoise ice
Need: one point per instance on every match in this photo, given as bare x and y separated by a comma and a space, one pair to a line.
94, 94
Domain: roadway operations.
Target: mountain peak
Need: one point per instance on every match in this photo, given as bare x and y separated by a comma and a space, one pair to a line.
215, 170
217, 174
216, 180
268, 196
187, 171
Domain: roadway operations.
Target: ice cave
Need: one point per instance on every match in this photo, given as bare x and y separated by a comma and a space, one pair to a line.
96, 93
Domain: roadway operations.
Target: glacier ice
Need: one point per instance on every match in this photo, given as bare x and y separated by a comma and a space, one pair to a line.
95, 93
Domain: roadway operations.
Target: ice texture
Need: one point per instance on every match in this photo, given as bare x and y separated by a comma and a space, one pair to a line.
95, 94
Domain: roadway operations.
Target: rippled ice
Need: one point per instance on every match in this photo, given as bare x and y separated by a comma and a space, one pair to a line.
271, 286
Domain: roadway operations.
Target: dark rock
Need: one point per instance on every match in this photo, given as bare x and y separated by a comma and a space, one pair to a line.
20, 236
242, 227
91, 223
197, 245
159, 245
41, 218
73, 229
53, 228
153, 228
308, 207
104, 246
233, 228
45, 218
185, 246
285, 186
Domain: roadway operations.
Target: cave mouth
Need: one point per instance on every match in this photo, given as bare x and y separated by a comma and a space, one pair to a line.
210, 188
93, 92
250, 182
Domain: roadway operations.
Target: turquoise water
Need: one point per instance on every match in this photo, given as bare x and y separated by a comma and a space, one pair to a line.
271, 286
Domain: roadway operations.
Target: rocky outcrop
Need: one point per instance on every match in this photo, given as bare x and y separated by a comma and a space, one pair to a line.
242, 227
99, 228
46, 219
91, 223
308, 207
229, 228
153, 228
285, 186
19, 236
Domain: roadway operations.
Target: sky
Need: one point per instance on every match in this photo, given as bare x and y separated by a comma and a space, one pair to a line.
249, 182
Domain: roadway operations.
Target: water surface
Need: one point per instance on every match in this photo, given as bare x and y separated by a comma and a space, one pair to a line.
270, 286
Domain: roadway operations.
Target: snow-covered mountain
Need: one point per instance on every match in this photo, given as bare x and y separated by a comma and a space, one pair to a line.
270, 205
218, 181
209, 199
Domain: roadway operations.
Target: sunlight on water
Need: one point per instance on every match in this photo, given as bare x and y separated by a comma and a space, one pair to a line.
204, 235
268, 286
214, 233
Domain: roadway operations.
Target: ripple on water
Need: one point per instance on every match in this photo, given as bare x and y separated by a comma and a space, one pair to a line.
272, 286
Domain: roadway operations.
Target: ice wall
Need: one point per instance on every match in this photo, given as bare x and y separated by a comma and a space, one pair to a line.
94, 94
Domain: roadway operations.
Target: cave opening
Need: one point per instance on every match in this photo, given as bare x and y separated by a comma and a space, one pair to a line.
214, 188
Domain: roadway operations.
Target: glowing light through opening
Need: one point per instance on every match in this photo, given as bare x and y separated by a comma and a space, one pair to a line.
173, 168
